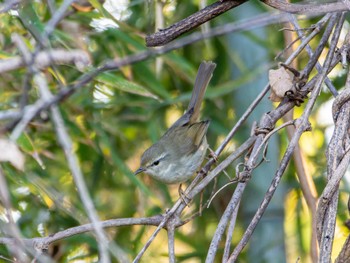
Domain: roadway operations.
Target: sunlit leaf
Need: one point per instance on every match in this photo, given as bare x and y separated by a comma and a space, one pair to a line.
117, 82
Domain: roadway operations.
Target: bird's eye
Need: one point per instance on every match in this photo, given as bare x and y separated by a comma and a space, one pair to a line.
156, 162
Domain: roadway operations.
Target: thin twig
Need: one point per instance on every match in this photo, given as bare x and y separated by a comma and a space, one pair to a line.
305, 40
229, 235
308, 189
267, 137
219, 190
165, 220
313, 59
243, 118
319, 8
220, 229
307, 185
309, 51
56, 18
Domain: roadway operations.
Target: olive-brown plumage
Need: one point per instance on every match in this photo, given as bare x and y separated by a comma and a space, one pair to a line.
180, 151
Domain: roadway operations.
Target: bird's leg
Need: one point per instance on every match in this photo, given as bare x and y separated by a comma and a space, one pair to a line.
213, 155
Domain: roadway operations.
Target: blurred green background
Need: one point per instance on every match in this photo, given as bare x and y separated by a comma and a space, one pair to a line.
114, 118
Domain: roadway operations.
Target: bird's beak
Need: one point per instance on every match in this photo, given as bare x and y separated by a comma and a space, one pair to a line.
140, 170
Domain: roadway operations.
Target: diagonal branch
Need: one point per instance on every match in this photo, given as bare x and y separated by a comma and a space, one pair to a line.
166, 35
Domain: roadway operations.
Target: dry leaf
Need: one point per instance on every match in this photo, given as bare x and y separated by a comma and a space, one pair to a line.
9, 152
280, 81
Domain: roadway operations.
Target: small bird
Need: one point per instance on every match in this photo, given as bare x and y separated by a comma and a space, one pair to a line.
181, 150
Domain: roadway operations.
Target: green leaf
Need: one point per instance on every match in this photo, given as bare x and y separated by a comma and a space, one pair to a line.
117, 82
26, 143
143, 73
118, 162
30, 19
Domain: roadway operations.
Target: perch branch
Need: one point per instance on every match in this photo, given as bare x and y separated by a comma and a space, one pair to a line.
179, 206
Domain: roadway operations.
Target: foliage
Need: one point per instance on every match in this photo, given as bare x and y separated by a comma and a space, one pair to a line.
113, 118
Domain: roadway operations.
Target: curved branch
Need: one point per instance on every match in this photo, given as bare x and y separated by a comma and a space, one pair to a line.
44, 242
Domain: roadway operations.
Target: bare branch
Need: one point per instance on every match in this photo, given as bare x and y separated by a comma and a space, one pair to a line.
57, 17
309, 51
313, 60
229, 214
171, 240
46, 58
164, 36
8, 5
229, 234
46, 241
319, 8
